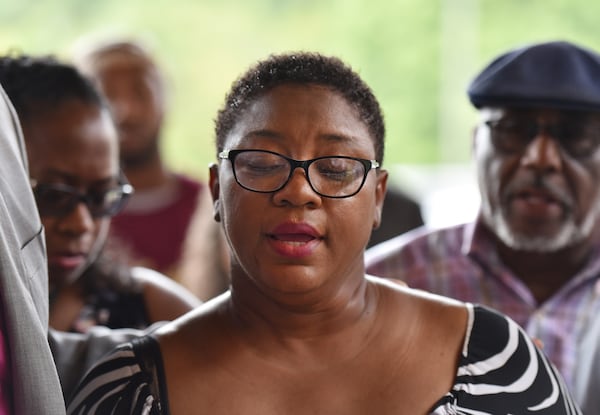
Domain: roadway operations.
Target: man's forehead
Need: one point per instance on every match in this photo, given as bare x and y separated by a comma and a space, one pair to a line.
122, 60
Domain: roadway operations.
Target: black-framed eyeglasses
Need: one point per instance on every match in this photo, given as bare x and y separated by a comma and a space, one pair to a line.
56, 199
578, 137
265, 171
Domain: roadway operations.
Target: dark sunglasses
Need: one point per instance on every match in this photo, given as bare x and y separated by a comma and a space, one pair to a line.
579, 136
60, 199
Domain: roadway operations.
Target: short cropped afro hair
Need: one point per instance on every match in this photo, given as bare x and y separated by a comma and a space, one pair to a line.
301, 68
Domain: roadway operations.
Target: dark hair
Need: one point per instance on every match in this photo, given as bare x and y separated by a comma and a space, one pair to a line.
36, 85
301, 68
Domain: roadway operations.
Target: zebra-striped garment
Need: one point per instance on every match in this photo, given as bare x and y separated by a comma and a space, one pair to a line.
501, 372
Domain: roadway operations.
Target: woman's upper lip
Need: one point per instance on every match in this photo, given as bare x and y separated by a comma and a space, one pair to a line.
294, 229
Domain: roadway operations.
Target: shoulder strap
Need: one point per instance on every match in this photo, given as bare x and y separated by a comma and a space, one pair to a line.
147, 352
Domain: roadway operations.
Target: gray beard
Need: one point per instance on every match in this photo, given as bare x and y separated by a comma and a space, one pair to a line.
569, 234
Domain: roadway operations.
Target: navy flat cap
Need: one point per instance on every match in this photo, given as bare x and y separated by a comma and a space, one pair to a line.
557, 75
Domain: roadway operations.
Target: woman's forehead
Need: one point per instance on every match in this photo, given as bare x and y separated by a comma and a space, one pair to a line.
325, 117
310, 104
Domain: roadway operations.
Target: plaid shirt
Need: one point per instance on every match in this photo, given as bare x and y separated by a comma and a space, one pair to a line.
461, 262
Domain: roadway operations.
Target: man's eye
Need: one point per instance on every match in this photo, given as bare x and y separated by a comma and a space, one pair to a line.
512, 127
582, 145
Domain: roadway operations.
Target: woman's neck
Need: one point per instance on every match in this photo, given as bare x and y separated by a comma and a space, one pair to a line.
301, 315
65, 306
317, 333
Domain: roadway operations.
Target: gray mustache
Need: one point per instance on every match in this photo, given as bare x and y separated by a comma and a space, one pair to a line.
539, 182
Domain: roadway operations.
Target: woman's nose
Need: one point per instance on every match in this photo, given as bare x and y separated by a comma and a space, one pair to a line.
79, 220
297, 191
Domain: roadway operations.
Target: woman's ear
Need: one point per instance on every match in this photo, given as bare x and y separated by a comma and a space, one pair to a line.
213, 182
380, 191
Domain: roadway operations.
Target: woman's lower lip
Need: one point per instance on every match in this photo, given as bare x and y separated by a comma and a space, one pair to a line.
67, 262
294, 249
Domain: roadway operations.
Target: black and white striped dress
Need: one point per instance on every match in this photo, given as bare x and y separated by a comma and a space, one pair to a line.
500, 372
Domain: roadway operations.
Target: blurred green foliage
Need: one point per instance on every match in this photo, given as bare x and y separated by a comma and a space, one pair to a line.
418, 55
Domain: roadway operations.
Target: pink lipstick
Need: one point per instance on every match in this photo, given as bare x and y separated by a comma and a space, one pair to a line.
294, 240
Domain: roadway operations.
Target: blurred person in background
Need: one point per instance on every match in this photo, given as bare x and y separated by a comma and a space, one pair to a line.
204, 266
28, 377
534, 251
400, 214
587, 376
153, 225
72, 150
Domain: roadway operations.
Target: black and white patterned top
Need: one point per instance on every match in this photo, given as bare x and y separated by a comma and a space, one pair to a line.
501, 371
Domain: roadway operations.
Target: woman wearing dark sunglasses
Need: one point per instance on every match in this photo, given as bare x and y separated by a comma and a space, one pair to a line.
72, 149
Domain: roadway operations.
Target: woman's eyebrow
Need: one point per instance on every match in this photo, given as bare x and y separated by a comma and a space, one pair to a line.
73, 179
333, 137
263, 134
342, 138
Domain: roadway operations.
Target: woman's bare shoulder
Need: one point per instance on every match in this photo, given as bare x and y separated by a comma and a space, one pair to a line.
401, 289
431, 310
199, 322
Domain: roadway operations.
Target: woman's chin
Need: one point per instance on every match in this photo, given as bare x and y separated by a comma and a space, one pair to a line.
60, 278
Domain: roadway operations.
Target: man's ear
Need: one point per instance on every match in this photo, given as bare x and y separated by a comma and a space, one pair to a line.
213, 183
380, 190
474, 132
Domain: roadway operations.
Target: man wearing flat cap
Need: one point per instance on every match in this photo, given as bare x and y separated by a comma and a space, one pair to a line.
533, 252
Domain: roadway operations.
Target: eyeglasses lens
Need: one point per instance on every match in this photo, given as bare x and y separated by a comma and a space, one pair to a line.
57, 200
336, 176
